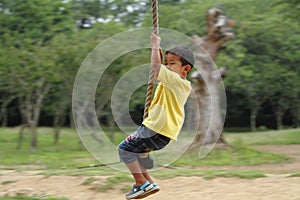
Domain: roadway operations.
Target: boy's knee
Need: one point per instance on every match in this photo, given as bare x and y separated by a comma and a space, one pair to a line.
125, 154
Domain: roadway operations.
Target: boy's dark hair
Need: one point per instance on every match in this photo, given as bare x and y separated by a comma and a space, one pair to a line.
186, 55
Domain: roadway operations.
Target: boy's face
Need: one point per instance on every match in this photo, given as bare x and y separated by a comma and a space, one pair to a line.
173, 63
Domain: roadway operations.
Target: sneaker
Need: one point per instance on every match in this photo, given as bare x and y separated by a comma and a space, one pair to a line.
153, 190
155, 187
138, 191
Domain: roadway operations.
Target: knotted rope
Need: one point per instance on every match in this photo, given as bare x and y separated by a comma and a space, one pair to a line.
151, 76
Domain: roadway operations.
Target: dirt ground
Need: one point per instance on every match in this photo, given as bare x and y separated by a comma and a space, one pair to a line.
277, 185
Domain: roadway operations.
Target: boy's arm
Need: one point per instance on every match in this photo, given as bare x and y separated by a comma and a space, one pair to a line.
156, 56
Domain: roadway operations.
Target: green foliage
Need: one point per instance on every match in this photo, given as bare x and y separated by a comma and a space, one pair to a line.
33, 22
128, 12
261, 60
39, 40
291, 8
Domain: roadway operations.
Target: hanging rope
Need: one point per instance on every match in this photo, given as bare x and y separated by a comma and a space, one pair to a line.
151, 76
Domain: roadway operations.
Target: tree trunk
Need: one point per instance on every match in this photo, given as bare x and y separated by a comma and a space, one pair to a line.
279, 109
56, 129
56, 134
3, 118
3, 111
30, 106
253, 114
206, 83
21, 136
279, 118
59, 120
295, 112
33, 131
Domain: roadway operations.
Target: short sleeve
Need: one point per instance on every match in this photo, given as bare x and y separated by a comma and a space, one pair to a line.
172, 80
168, 78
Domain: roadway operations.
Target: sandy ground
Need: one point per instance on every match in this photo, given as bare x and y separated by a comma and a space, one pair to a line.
277, 185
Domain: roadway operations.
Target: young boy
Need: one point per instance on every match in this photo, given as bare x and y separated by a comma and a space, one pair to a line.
165, 116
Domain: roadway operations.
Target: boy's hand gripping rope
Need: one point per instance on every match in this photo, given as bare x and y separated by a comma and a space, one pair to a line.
151, 76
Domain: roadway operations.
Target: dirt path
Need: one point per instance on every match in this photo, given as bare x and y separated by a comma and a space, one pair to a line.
276, 186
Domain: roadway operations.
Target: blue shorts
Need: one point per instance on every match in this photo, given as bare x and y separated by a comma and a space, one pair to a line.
143, 140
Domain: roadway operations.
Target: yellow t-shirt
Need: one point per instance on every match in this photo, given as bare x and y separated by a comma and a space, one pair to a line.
166, 112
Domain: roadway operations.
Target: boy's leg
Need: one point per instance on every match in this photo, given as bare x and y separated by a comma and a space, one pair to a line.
155, 187
140, 174
137, 172
141, 141
142, 186
146, 174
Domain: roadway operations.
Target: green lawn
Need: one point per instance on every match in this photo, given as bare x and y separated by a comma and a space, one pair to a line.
289, 136
68, 154
65, 154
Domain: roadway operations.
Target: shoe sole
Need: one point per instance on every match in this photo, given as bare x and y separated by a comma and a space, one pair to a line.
143, 192
147, 193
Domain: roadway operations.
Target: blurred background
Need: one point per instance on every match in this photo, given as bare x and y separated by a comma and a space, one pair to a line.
44, 42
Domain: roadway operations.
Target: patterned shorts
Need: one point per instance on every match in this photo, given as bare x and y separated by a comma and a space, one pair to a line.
143, 140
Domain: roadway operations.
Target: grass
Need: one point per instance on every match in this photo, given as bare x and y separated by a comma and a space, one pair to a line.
295, 174
111, 182
89, 181
47, 155
64, 158
281, 137
24, 197
7, 182
69, 153
237, 156
208, 174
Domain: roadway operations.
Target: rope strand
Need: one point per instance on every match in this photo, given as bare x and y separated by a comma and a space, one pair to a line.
152, 75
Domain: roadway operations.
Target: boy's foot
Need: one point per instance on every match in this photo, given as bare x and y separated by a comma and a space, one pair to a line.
150, 192
138, 191
153, 190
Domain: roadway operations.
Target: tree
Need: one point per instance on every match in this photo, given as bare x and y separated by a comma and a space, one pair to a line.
29, 26
290, 8
253, 86
283, 84
266, 37
33, 82
260, 54
37, 21
7, 94
68, 52
208, 80
128, 12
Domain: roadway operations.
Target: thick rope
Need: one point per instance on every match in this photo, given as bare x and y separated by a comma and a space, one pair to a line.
152, 75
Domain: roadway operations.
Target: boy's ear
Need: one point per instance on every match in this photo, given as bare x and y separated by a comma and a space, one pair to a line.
187, 68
